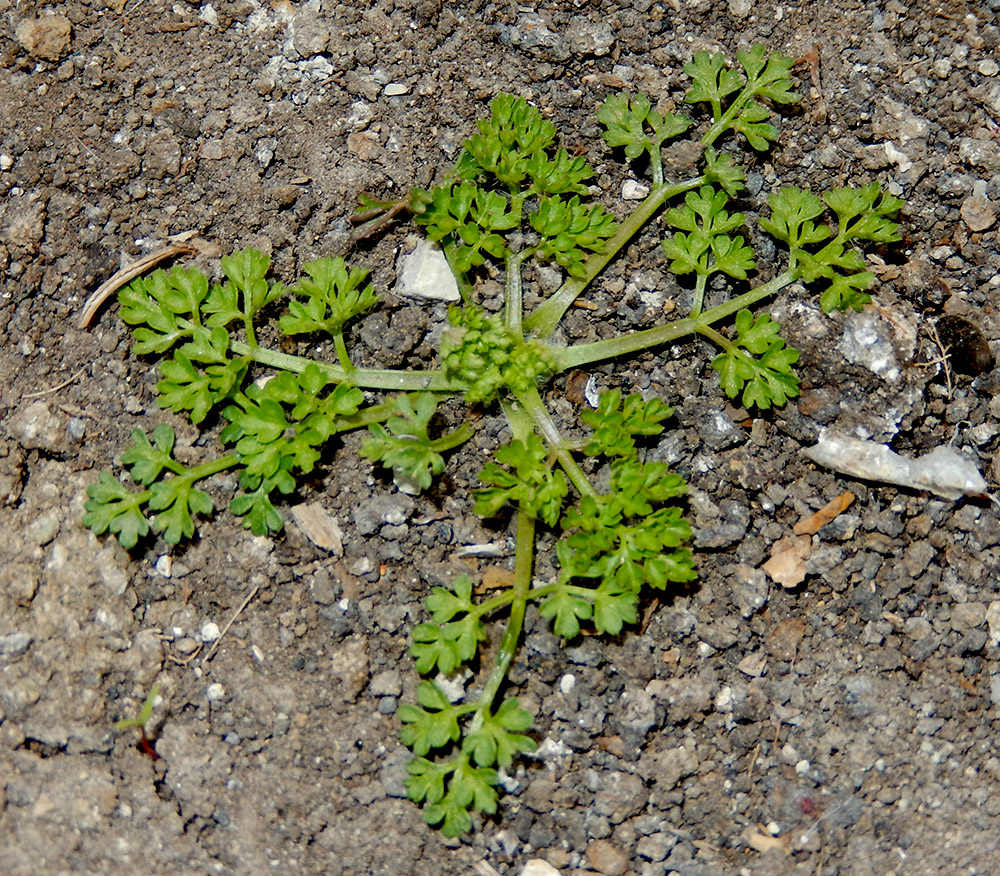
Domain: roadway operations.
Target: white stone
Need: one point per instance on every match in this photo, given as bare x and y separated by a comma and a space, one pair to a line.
6, 162
634, 191
988, 67
538, 867
898, 157
425, 273
549, 748
210, 631
394, 89
993, 621
164, 565
215, 692
453, 686
567, 683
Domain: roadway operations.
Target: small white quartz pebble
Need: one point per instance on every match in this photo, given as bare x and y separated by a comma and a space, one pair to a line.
425, 273
209, 631
943, 471
634, 191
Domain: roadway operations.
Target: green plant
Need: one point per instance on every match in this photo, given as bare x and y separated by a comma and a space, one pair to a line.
513, 196
140, 722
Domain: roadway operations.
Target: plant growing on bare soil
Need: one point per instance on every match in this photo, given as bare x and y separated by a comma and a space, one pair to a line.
513, 196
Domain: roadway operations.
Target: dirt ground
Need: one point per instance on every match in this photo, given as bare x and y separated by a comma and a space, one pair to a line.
844, 726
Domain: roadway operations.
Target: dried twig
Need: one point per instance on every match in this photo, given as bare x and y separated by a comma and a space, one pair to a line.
229, 623
120, 278
942, 361
55, 388
376, 219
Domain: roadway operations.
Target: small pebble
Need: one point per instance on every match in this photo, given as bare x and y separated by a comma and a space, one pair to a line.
607, 858
538, 867
210, 631
978, 212
15, 644
387, 705
395, 89
186, 645
634, 191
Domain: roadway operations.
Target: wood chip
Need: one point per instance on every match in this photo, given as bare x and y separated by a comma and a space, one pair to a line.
762, 842
815, 522
320, 527
787, 565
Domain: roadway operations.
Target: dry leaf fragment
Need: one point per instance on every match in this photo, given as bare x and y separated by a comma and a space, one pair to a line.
787, 565
495, 578
753, 664
783, 641
814, 522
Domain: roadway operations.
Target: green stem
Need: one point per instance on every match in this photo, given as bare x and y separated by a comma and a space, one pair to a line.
699, 294
213, 466
447, 442
251, 334
367, 378
523, 562
341, 348
450, 250
724, 121
656, 163
513, 294
719, 339
533, 404
583, 354
542, 321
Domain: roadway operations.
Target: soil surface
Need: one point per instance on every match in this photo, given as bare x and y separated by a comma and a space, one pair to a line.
846, 725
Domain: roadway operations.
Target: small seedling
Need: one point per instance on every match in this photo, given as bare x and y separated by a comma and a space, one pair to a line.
141, 720
513, 197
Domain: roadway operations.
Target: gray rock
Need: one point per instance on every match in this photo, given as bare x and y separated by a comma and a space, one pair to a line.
634, 715
37, 427
669, 766
531, 33
586, 37
15, 644
619, 796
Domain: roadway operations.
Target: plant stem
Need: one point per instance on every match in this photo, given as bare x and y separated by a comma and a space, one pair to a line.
513, 295
719, 339
699, 294
523, 562
447, 442
533, 404
207, 469
583, 354
342, 356
542, 321
367, 378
